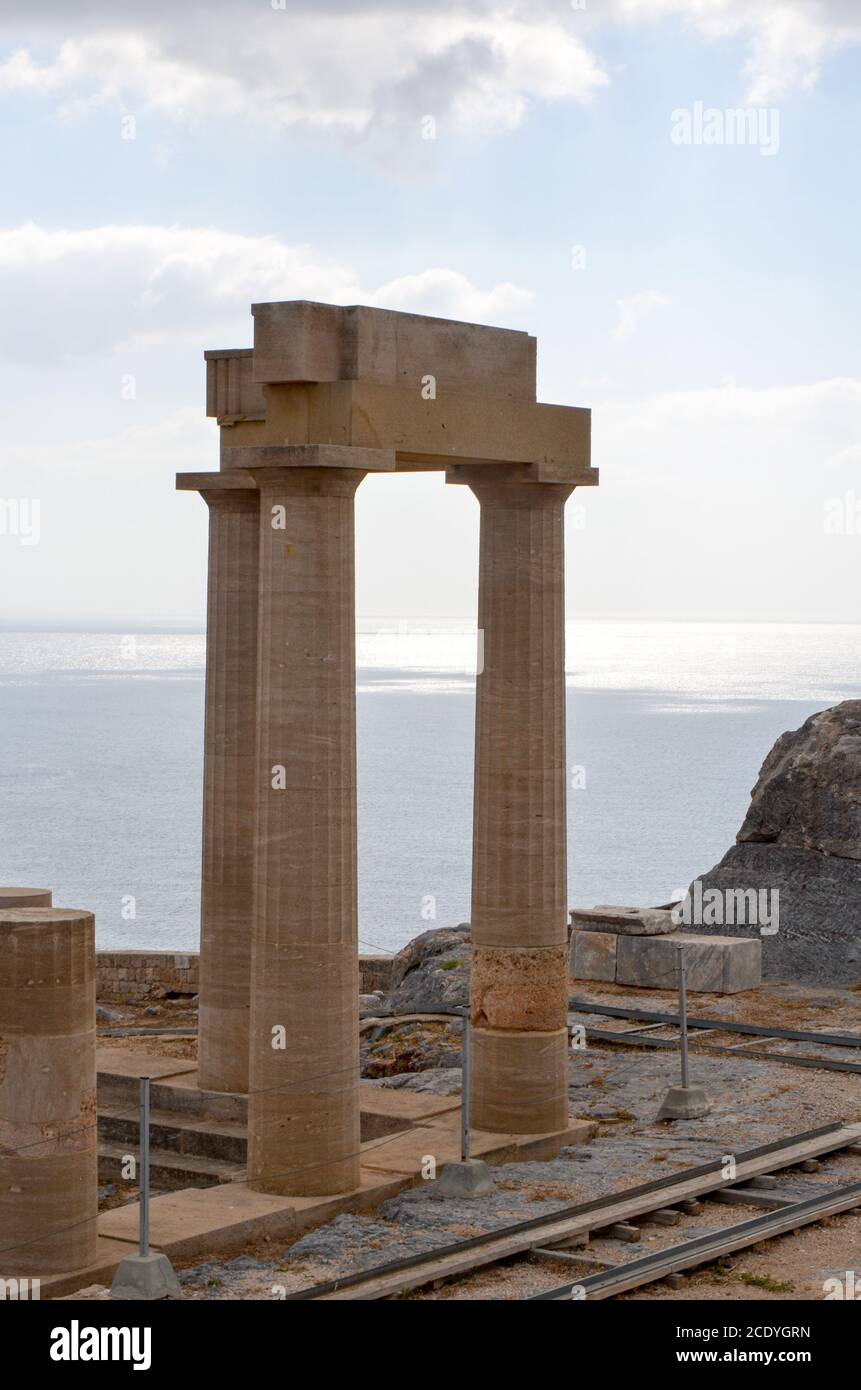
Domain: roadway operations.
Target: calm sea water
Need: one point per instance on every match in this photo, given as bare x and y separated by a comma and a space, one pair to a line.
667, 725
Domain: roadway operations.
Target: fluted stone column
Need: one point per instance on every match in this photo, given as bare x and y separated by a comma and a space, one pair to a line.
227, 876
48, 1164
303, 1132
518, 998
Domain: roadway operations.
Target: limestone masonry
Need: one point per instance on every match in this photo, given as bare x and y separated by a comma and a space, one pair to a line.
327, 395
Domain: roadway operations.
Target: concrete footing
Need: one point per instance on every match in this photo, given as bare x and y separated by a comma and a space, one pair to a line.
150, 1278
684, 1103
469, 1178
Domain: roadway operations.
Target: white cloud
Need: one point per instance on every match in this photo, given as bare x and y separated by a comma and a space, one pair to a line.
636, 307
326, 66
786, 41
364, 69
70, 294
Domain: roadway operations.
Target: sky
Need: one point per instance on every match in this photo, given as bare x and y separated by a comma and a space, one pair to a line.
664, 192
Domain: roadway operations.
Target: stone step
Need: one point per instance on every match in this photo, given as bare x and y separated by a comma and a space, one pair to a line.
119, 1092
168, 1170
178, 1134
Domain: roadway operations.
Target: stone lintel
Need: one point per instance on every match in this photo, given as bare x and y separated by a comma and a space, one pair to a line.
455, 429
256, 456
303, 341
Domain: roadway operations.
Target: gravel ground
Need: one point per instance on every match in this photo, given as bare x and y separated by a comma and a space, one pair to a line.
753, 1102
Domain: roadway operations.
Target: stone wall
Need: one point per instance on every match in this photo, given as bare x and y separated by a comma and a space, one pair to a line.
126, 977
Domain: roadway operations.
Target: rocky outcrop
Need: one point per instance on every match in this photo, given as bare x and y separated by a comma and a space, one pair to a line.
801, 841
431, 973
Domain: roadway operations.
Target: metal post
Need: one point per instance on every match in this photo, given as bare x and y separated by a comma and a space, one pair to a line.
464, 1091
683, 1015
143, 1185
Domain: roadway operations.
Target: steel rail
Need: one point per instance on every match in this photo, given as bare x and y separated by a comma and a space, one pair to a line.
489, 1239
785, 1058
705, 1249
723, 1025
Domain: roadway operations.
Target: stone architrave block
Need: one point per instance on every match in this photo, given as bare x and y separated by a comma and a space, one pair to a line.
626, 921
593, 955
714, 964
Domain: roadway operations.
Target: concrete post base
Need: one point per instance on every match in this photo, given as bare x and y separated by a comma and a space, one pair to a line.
146, 1277
469, 1178
684, 1103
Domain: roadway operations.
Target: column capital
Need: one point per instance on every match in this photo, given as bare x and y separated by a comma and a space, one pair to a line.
512, 487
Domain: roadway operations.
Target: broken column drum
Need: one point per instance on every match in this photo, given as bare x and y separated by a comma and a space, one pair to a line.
48, 1162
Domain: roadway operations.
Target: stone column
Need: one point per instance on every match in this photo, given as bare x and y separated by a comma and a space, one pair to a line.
25, 897
48, 1165
227, 875
518, 999
303, 1122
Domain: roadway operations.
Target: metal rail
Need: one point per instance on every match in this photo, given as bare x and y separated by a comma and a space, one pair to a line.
722, 1025
705, 1249
483, 1245
632, 1039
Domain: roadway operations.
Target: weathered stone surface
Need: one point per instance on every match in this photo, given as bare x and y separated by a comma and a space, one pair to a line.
801, 841
714, 964
808, 794
48, 1164
432, 969
519, 874
303, 341
519, 988
593, 955
626, 921
819, 936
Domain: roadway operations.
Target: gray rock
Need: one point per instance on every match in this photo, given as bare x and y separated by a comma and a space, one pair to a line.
431, 971
801, 839
808, 795
106, 1015
441, 1081
819, 936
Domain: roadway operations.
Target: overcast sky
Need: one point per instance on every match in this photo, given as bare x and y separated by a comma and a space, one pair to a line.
165, 165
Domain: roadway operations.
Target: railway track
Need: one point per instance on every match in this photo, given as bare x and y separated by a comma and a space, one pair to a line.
649, 1021
665, 1201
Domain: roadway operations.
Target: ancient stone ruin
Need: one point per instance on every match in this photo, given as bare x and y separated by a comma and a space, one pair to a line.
326, 396
801, 838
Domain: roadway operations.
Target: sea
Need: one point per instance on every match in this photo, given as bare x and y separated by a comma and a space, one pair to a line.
668, 723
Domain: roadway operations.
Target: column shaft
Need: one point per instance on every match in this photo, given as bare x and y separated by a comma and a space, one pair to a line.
304, 1101
48, 1163
518, 997
227, 877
